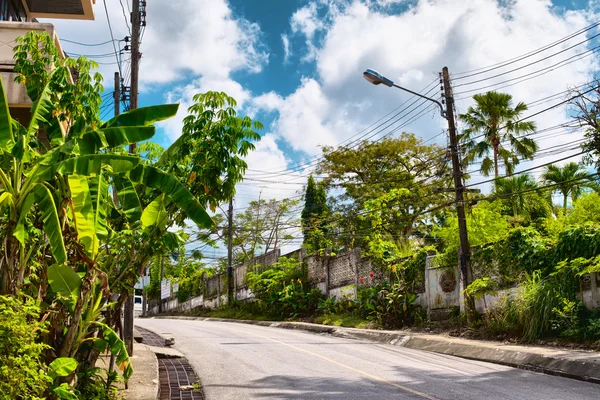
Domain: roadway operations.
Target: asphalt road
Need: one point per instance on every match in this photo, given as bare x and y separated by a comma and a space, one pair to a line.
239, 361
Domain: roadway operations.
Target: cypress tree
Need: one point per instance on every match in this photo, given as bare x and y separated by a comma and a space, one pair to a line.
315, 211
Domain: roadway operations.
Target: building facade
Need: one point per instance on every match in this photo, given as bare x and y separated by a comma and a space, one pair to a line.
17, 17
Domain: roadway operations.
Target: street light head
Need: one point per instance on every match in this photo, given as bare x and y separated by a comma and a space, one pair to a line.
376, 78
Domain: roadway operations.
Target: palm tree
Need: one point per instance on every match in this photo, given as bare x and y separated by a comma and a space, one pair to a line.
512, 189
569, 179
495, 122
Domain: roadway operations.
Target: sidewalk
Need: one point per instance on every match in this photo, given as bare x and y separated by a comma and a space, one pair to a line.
143, 384
575, 364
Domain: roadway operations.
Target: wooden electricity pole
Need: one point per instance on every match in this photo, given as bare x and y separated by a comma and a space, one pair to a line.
459, 189
117, 94
135, 58
135, 67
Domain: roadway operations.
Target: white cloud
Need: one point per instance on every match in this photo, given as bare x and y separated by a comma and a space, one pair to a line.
208, 43
206, 40
307, 118
307, 22
285, 40
185, 94
411, 48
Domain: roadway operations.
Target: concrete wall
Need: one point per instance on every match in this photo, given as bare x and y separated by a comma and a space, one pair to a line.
338, 276
16, 94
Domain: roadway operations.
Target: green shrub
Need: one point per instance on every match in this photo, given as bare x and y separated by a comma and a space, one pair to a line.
413, 269
283, 289
387, 304
22, 373
190, 286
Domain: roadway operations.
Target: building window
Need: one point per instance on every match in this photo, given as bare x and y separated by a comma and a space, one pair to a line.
12, 10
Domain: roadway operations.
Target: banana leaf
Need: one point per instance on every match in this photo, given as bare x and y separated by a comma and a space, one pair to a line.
170, 186
6, 133
66, 282
143, 116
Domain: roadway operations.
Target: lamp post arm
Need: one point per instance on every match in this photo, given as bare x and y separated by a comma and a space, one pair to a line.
442, 111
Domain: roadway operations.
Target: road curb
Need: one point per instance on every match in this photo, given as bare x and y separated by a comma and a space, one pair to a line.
574, 364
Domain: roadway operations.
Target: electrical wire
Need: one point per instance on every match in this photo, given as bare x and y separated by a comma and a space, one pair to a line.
125, 16
361, 134
538, 73
529, 64
87, 44
489, 68
112, 36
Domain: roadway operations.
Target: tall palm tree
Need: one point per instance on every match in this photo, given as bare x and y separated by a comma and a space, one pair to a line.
511, 188
570, 179
494, 121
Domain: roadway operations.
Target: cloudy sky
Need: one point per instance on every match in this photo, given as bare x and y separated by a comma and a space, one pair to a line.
296, 66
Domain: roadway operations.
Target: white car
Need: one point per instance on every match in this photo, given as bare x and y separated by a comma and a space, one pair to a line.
137, 305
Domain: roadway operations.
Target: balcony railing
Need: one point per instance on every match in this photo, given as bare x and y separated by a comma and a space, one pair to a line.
12, 10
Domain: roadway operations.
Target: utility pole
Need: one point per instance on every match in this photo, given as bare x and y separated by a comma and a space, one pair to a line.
162, 277
135, 56
117, 98
230, 288
129, 302
459, 189
117, 94
135, 66
128, 323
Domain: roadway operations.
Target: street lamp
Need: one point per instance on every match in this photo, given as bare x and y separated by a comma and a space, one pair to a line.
465, 250
376, 78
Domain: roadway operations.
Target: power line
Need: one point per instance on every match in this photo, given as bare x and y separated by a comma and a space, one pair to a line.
112, 36
542, 111
483, 70
539, 72
529, 64
125, 16
311, 160
88, 44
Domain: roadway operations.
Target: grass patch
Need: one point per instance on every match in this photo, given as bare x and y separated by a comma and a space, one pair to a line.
345, 320
234, 313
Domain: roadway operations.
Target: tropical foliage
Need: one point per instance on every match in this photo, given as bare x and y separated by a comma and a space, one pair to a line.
570, 180
494, 126
81, 218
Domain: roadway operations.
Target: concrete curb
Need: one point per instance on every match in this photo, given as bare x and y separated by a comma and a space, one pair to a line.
574, 364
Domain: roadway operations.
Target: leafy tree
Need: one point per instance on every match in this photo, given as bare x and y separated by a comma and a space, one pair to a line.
570, 179
586, 103
485, 224
495, 121
512, 188
208, 156
382, 246
370, 170
586, 209
73, 90
314, 215
66, 242
264, 226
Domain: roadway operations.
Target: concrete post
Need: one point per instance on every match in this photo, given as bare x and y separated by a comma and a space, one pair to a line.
219, 290
354, 260
595, 293
326, 260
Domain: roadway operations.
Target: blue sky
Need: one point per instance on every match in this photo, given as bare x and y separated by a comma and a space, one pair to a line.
312, 93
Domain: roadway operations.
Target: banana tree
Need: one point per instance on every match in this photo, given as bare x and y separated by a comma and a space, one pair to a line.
62, 231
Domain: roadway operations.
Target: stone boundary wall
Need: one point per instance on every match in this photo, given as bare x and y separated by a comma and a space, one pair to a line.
340, 275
